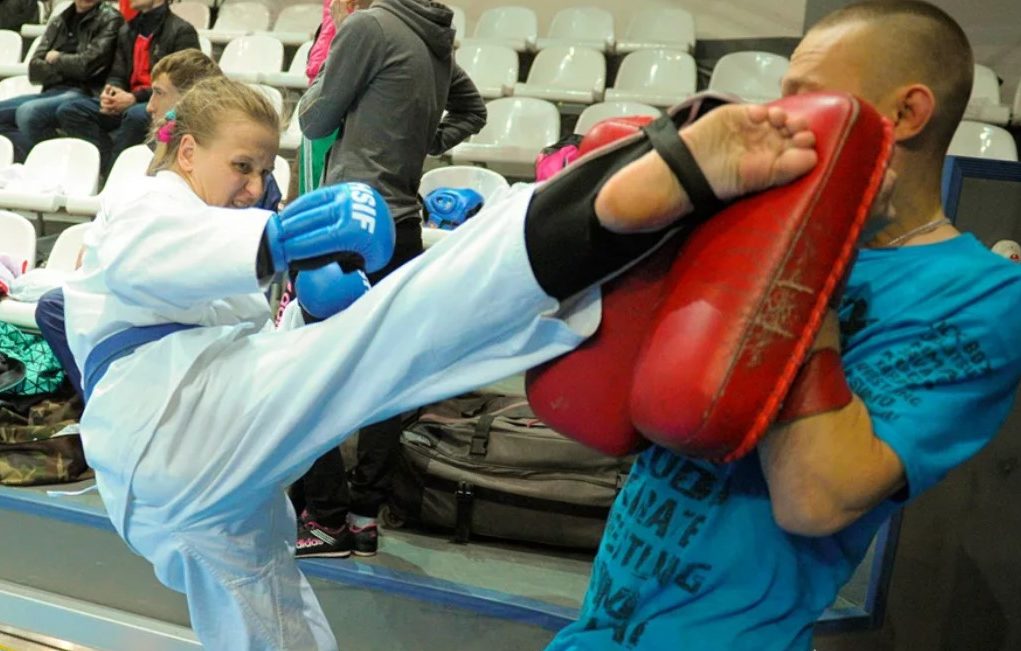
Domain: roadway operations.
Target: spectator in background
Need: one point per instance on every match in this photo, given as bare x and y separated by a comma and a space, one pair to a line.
389, 78
71, 62
312, 153
15, 13
118, 119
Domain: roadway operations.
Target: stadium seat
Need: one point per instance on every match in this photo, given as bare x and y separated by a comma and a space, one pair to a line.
247, 58
605, 110
238, 19
206, 45
493, 67
566, 73
10, 46
657, 77
275, 97
35, 30
659, 28
459, 23
290, 139
981, 140
515, 27
17, 237
6, 152
16, 68
63, 258
195, 13
282, 175
294, 77
297, 23
130, 165
984, 104
16, 86
585, 26
485, 182
62, 167
752, 76
517, 128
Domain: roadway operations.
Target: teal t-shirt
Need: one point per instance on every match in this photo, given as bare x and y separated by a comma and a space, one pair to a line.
692, 559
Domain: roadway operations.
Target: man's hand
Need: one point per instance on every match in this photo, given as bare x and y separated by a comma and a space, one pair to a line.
52, 56
115, 101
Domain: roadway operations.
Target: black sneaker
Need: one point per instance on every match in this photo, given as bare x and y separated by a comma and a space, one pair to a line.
366, 540
316, 541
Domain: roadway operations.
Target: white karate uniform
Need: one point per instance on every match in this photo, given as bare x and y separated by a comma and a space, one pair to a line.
194, 437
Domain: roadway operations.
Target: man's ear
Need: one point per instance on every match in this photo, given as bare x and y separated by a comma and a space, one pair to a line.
186, 153
915, 106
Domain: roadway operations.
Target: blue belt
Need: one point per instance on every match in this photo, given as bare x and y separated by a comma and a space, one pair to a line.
121, 344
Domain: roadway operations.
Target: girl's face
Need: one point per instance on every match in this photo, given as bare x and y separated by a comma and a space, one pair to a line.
228, 171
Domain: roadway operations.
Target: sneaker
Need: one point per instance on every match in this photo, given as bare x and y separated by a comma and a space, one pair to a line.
366, 540
316, 541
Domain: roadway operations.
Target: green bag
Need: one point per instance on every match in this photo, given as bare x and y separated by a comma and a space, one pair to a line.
38, 449
42, 370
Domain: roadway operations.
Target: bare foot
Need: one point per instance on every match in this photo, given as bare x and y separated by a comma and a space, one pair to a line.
740, 148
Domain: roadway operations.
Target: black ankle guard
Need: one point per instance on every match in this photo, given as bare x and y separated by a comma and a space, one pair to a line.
568, 248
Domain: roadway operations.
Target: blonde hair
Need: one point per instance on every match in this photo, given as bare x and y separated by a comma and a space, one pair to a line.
185, 68
203, 110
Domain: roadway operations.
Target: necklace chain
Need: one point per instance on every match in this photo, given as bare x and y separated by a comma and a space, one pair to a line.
924, 228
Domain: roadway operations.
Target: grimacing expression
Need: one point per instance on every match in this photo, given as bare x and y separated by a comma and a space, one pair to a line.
229, 171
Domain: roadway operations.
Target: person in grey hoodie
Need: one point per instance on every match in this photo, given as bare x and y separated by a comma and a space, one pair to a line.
386, 83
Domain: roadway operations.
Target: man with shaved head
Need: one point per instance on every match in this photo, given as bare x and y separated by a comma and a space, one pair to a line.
747, 555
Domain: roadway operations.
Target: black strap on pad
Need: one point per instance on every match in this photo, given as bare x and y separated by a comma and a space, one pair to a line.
662, 134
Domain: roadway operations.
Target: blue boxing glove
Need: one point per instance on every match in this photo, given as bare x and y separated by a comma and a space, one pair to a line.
328, 290
348, 220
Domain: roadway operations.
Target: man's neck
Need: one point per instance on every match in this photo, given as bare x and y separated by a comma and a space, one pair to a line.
918, 213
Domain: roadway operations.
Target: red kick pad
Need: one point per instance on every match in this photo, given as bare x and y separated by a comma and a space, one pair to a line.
722, 334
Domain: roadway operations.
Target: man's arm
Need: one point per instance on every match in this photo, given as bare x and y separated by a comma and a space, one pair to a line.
39, 71
95, 56
466, 113
356, 56
122, 60
827, 470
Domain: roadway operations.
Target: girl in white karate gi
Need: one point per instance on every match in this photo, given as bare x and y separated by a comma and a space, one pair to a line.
195, 434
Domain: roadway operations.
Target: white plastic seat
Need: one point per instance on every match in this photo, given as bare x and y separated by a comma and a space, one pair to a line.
17, 237
984, 104
459, 23
485, 182
516, 129
63, 257
515, 27
657, 77
275, 97
36, 30
247, 58
492, 67
753, 76
282, 175
596, 113
659, 28
290, 139
205, 45
6, 152
295, 75
585, 26
1016, 110
195, 13
238, 19
566, 73
130, 165
19, 69
69, 166
17, 86
10, 46
981, 140
297, 23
